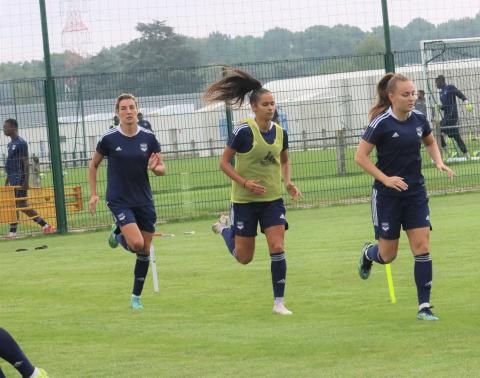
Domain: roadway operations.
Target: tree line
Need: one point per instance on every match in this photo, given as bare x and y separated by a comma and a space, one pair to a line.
161, 56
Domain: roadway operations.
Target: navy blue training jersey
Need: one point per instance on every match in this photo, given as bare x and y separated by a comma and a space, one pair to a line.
242, 138
398, 148
448, 97
127, 170
17, 150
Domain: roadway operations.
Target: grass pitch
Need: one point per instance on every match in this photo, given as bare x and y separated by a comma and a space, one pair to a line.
68, 305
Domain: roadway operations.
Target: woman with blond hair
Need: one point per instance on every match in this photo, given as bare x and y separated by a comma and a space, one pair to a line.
399, 196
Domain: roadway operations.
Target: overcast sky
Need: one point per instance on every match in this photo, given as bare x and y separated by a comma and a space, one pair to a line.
111, 22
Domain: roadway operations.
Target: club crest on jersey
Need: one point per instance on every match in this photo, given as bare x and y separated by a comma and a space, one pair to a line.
419, 131
143, 147
385, 226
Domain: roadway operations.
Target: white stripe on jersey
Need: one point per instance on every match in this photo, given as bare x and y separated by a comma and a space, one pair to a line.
377, 120
237, 130
374, 123
110, 131
374, 208
239, 127
418, 112
145, 130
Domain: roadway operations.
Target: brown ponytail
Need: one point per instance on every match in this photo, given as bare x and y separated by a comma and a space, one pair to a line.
233, 88
386, 85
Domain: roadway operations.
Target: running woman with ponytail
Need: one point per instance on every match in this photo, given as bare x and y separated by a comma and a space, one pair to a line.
260, 147
399, 196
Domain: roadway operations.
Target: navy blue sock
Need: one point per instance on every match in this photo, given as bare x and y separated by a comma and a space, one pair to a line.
423, 277
279, 273
373, 254
13, 227
140, 272
40, 221
121, 240
11, 352
229, 238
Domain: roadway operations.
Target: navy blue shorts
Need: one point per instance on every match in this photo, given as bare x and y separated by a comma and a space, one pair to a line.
246, 216
144, 216
20, 193
449, 127
389, 213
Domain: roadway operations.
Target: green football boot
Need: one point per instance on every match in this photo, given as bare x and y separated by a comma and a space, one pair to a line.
364, 264
112, 241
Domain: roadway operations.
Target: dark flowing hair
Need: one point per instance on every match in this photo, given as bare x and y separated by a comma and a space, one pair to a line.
233, 88
386, 85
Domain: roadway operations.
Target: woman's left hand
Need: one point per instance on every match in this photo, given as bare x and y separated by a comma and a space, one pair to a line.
442, 167
155, 164
293, 191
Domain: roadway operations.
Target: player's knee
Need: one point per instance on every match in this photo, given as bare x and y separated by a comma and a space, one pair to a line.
244, 260
276, 247
136, 245
244, 257
420, 247
390, 258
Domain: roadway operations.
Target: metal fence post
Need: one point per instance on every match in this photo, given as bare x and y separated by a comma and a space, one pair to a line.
389, 58
52, 123
210, 145
340, 150
80, 95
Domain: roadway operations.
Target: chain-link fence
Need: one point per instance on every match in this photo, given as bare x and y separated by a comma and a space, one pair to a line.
323, 104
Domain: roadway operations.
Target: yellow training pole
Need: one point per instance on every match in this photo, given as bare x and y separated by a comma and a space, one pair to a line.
391, 290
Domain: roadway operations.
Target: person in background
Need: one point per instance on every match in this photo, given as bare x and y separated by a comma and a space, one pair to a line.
18, 174
449, 122
35, 174
421, 102
142, 122
116, 122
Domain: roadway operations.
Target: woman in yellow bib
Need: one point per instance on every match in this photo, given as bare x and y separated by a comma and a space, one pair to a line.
260, 147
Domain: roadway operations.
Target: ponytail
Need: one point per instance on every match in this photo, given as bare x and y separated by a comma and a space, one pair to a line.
233, 88
386, 85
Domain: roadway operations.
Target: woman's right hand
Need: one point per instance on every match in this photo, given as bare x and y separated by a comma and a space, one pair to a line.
92, 204
396, 183
254, 187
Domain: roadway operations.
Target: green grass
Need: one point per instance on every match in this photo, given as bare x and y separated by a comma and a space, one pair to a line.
68, 305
